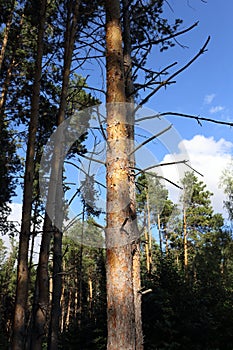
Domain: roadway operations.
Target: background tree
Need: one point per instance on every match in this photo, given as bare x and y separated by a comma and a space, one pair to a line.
18, 338
226, 182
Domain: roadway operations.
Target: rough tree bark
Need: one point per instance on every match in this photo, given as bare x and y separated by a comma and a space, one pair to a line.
120, 231
19, 324
129, 94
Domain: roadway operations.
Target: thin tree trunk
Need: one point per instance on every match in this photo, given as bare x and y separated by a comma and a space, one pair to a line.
90, 297
63, 300
160, 234
129, 95
185, 241
149, 231
19, 331
147, 249
5, 87
11, 65
166, 240
67, 321
54, 331
6, 34
41, 299
76, 286
80, 275
42, 304
119, 231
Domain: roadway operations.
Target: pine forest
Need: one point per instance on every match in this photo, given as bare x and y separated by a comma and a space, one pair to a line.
103, 256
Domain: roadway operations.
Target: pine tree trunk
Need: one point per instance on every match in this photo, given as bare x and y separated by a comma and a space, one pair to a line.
120, 226
67, 321
80, 277
54, 330
147, 249
160, 234
19, 325
42, 304
166, 240
6, 34
90, 297
129, 95
63, 300
185, 241
149, 231
5, 87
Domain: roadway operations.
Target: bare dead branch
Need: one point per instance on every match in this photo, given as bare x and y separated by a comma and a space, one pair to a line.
194, 170
164, 83
171, 36
150, 139
92, 159
184, 115
98, 225
164, 178
76, 166
159, 165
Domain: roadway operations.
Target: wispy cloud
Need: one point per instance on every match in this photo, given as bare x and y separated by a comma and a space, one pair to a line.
216, 109
209, 98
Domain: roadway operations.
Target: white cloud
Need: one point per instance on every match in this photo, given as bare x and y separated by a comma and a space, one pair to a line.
16, 212
209, 98
209, 157
216, 109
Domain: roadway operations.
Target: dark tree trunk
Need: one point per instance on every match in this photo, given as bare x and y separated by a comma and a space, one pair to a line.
19, 324
6, 34
129, 94
54, 196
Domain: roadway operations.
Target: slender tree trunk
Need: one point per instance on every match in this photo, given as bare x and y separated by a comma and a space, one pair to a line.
147, 249
90, 297
149, 231
80, 276
6, 34
185, 241
76, 284
42, 304
5, 87
166, 240
119, 231
41, 301
19, 331
160, 234
67, 321
129, 95
63, 299
54, 331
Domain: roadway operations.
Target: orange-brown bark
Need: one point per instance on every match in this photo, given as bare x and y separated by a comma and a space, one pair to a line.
120, 292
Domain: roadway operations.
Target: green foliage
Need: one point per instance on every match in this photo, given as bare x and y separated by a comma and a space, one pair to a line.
8, 258
226, 183
181, 315
87, 325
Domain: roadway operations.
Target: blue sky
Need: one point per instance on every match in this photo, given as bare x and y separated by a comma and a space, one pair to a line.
211, 75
